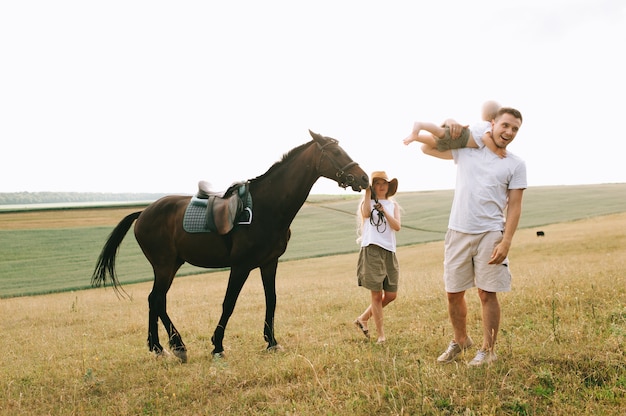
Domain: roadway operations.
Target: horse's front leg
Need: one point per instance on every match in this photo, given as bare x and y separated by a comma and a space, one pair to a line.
238, 277
268, 275
176, 341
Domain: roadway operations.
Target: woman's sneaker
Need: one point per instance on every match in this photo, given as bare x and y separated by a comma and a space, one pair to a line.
483, 357
454, 350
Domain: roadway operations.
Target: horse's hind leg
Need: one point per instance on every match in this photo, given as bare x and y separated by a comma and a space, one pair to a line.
268, 275
154, 300
157, 302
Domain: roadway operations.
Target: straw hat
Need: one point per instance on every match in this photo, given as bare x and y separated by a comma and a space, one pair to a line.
393, 184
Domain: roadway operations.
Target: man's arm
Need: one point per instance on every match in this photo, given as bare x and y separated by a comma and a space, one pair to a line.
432, 151
513, 214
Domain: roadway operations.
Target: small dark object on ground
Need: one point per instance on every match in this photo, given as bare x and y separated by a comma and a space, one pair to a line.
540, 234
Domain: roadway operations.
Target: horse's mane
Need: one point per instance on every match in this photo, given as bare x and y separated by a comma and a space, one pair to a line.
286, 157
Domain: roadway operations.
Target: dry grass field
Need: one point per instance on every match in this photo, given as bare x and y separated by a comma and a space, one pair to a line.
28, 220
562, 347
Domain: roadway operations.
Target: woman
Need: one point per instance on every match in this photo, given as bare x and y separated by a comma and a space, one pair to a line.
377, 268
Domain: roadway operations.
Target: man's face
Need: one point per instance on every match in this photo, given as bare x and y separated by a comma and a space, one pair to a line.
505, 129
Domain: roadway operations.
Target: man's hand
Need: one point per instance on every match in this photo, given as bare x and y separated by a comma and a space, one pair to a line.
455, 128
500, 252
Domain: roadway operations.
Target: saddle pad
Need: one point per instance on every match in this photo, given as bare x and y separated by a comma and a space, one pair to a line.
194, 220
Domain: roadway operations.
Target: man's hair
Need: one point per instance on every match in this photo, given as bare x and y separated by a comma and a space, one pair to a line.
508, 110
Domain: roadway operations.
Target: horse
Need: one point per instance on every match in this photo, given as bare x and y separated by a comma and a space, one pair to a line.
277, 196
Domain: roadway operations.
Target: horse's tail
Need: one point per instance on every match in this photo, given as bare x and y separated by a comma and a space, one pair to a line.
106, 261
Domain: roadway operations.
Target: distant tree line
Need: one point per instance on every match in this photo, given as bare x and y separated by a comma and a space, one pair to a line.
18, 198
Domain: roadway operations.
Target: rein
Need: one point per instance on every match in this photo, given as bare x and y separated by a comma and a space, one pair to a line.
342, 179
380, 221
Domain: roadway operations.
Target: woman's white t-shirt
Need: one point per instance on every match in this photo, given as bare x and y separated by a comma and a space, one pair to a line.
383, 235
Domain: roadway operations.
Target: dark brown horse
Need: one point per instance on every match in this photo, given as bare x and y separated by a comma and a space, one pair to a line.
277, 196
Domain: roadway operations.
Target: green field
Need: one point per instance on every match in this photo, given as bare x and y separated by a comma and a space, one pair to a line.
38, 261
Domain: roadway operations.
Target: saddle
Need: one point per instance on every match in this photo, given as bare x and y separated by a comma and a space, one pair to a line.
224, 209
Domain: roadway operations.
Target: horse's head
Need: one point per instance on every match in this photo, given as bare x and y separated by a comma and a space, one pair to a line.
335, 164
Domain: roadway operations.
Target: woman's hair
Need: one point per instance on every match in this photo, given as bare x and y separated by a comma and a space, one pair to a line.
359, 220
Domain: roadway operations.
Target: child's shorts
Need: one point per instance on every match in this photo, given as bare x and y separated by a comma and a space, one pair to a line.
447, 142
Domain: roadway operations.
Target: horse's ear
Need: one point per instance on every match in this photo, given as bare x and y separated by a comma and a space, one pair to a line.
315, 135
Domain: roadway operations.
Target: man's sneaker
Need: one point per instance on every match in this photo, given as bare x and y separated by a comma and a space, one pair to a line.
483, 357
454, 350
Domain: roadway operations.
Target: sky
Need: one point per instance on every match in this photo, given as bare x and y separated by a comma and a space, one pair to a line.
153, 96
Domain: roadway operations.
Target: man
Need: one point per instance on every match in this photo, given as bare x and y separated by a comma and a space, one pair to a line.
478, 240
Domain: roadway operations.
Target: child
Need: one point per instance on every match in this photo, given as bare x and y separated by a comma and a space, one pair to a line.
442, 140
377, 269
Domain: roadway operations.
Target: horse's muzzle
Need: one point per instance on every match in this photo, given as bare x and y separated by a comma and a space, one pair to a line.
358, 184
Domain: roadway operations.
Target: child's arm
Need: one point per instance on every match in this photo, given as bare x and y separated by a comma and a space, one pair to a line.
488, 141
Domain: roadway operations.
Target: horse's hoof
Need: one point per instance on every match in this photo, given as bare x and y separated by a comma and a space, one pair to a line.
218, 355
181, 354
275, 348
163, 354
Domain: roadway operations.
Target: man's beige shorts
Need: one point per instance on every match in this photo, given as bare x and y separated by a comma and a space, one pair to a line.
466, 263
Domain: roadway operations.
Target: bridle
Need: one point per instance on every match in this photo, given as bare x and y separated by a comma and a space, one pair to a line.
380, 221
344, 180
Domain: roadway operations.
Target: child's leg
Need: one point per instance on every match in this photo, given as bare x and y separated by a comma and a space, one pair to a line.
432, 128
427, 139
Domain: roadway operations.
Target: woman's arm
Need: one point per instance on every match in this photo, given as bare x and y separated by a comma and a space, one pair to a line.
394, 222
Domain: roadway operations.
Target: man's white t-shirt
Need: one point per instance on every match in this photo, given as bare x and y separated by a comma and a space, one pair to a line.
483, 181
